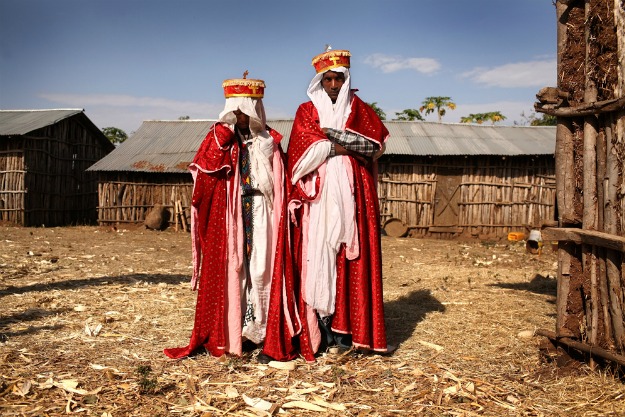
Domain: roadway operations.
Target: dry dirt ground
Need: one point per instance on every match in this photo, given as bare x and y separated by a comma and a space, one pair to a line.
86, 312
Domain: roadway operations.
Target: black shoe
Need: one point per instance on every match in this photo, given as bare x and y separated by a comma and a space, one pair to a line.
249, 346
264, 359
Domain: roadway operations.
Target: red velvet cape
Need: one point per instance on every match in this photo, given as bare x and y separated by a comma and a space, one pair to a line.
359, 298
218, 155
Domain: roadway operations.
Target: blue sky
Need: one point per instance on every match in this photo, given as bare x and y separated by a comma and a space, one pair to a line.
125, 61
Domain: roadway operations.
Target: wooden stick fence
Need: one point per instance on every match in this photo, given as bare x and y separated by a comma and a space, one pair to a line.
122, 200
496, 195
43, 177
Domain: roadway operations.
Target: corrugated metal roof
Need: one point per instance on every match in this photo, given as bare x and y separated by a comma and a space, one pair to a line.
169, 146
427, 138
430, 138
20, 122
157, 146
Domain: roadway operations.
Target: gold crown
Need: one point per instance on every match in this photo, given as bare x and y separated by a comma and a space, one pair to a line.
243, 87
331, 59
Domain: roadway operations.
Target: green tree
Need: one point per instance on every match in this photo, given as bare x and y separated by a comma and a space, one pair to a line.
377, 110
479, 118
438, 105
545, 120
114, 134
532, 120
409, 114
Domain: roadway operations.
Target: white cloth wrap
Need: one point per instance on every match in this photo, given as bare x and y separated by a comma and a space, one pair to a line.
332, 115
260, 270
331, 216
253, 107
262, 152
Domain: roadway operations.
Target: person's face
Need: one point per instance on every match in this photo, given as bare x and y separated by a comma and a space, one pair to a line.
243, 120
332, 83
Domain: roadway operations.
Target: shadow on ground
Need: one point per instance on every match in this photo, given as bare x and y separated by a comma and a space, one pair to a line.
404, 313
73, 284
33, 314
539, 285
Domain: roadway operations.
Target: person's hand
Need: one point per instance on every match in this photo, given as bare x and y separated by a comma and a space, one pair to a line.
341, 150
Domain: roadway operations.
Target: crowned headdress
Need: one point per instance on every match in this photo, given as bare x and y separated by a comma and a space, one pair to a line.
246, 95
331, 59
243, 87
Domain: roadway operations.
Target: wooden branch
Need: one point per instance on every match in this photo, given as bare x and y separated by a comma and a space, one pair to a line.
613, 263
588, 237
583, 347
563, 284
552, 95
565, 176
586, 109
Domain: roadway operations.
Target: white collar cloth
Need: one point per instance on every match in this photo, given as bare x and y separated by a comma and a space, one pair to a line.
331, 115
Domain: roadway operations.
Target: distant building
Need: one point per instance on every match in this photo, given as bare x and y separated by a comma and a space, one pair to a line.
149, 168
44, 155
444, 180
437, 180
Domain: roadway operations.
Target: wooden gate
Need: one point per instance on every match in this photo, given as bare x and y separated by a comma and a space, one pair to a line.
446, 199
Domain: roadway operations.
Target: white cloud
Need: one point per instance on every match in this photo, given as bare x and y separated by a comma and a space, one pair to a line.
128, 112
388, 63
521, 74
121, 100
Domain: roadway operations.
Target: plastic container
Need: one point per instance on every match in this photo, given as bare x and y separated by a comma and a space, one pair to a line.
534, 243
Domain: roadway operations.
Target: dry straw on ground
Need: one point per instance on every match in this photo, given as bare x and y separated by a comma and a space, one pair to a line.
86, 313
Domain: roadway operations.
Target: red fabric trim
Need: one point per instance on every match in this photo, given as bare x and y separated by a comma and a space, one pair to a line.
359, 299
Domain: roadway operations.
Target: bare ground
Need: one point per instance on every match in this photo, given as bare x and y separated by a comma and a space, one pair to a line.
86, 312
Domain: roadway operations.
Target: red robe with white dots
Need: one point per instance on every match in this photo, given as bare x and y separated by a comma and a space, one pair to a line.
218, 314
359, 308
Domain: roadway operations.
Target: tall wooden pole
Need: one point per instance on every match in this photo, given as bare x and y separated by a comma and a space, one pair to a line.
564, 181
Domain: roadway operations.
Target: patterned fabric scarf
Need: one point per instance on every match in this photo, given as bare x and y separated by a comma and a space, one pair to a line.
247, 196
247, 193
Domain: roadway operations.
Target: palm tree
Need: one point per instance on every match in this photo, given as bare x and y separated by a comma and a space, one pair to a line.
479, 118
409, 114
438, 104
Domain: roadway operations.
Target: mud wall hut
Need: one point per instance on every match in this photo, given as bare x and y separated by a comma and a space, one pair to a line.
44, 155
589, 104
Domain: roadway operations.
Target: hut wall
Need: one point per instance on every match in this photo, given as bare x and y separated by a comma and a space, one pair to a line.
406, 188
590, 150
489, 196
59, 190
127, 197
12, 172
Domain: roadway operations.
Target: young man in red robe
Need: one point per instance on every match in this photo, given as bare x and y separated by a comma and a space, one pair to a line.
237, 205
334, 295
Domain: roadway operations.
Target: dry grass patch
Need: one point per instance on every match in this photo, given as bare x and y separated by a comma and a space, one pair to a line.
86, 312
